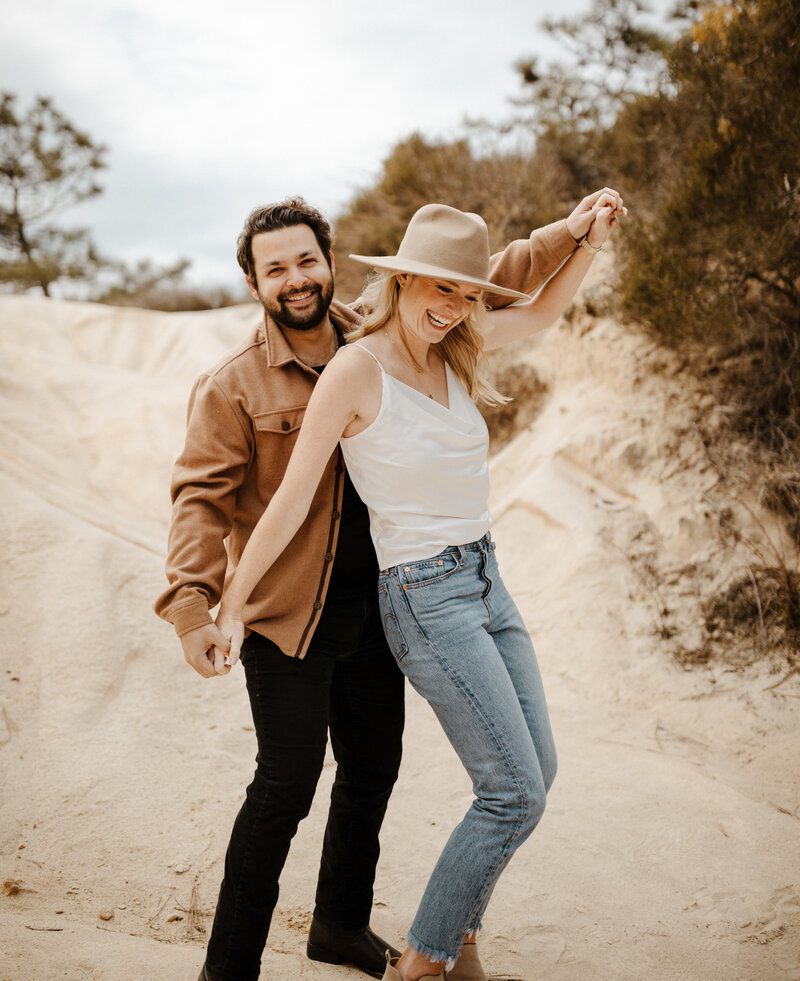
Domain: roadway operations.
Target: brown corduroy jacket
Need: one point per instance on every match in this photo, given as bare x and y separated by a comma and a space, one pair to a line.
243, 420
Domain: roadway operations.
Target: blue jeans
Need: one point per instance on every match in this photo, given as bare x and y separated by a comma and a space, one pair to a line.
461, 642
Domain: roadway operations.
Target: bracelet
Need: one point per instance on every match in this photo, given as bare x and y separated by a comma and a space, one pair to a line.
591, 249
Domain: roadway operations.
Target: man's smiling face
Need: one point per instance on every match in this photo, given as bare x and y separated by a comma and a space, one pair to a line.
294, 279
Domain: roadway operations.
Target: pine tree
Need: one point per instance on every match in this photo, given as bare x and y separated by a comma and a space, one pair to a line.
46, 166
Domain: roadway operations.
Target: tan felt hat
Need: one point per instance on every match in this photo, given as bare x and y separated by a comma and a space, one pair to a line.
444, 243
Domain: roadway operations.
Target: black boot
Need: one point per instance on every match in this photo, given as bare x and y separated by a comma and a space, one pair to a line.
362, 948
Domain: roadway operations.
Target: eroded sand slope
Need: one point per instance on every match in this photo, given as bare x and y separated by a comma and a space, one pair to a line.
670, 845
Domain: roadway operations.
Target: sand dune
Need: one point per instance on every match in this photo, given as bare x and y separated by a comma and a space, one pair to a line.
670, 846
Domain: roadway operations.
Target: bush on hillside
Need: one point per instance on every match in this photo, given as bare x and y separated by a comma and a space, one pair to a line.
152, 287
511, 191
713, 166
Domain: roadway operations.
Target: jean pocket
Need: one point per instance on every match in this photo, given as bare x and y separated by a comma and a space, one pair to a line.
391, 625
428, 571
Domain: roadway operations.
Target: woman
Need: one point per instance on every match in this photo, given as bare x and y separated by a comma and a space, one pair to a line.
401, 403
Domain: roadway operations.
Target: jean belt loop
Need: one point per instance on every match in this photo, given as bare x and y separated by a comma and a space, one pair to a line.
461, 556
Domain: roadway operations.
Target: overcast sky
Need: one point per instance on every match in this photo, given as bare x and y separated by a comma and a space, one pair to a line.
209, 109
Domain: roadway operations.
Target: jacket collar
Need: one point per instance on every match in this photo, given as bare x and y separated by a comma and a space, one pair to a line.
280, 352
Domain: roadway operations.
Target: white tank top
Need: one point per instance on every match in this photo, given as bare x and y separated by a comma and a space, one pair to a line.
422, 471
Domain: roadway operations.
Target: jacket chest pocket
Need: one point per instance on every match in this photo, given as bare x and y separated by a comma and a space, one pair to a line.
275, 436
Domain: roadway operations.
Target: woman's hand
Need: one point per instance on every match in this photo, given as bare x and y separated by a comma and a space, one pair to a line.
523, 319
605, 216
583, 217
231, 627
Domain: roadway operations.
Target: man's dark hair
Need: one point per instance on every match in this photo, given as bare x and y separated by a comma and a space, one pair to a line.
292, 211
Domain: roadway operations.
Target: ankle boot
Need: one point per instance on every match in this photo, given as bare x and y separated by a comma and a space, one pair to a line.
362, 948
469, 968
392, 974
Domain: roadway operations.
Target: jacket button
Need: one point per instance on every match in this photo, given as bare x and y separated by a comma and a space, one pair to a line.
337, 515
328, 556
318, 606
285, 425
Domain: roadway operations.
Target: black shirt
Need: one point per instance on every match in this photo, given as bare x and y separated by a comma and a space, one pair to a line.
355, 565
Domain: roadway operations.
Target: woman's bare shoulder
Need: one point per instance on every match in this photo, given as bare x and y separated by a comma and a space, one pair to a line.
357, 356
351, 366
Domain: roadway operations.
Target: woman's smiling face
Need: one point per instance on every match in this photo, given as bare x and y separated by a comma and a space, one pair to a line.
431, 307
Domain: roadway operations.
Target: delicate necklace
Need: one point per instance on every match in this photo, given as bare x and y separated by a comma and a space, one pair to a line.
412, 364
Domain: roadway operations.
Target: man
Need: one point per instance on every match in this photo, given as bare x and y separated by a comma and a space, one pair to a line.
316, 658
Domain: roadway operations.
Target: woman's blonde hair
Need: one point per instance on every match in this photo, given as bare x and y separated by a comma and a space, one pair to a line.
461, 347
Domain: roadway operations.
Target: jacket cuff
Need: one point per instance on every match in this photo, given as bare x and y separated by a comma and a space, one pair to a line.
190, 616
562, 239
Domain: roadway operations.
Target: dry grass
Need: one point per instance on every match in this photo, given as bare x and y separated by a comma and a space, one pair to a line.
194, 914
528, 394
755, 617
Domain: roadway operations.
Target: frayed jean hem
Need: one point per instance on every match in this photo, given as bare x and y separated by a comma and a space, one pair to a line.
433, 953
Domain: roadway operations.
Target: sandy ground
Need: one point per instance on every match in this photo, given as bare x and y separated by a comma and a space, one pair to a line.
670, 846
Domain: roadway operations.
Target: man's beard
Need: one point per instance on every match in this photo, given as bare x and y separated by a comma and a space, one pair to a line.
312, 316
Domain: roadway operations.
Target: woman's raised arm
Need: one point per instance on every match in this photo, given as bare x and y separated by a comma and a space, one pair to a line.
523, 319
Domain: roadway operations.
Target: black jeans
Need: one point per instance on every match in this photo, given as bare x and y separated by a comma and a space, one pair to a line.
349, 682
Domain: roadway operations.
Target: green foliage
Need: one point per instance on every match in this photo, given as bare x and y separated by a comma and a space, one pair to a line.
558, 117
713, 166
613, 55
615, 58
46, 165
512, 192
700, 134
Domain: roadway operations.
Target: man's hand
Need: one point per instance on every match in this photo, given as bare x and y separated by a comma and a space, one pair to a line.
205, 649
580, 221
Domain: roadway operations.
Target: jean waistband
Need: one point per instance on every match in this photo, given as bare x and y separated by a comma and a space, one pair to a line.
481, 545
484, 544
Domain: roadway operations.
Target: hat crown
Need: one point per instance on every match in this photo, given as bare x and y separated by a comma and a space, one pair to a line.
444, 243
445, 237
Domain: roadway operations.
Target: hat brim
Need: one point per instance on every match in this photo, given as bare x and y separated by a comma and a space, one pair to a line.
398, 264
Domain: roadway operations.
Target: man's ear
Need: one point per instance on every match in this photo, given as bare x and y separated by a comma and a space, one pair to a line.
333, 264
252, 288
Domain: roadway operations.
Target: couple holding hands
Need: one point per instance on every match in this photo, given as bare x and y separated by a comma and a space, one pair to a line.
340, 453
